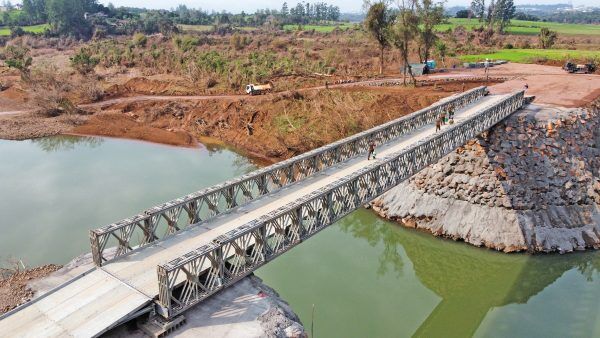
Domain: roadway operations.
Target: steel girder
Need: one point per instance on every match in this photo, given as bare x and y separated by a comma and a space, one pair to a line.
166, 219
189, 279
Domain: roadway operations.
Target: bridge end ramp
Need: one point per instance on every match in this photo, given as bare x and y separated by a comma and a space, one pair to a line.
90, 306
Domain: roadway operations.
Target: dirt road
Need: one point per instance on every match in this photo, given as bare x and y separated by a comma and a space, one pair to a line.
234, 97
550, 85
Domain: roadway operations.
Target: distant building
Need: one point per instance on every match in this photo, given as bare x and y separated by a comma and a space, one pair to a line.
95, 15
3, 9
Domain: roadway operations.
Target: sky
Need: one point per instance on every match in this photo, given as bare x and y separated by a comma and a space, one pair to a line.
250, 6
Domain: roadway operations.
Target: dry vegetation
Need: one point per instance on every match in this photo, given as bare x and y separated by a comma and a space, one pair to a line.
66, 74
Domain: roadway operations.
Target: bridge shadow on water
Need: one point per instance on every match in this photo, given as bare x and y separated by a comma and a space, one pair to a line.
470, 281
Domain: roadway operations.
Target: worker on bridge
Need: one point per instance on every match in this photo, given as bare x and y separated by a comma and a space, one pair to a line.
371, 150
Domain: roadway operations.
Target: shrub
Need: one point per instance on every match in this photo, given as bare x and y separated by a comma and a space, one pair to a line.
547, 38
16, 31
17, 56
186, 43
83, 61
509, 46
236, 42
211, 82
140, 40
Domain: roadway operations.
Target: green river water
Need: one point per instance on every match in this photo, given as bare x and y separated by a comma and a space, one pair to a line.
365, 277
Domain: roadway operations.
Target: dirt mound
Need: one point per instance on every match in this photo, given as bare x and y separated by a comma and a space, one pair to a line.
14, 290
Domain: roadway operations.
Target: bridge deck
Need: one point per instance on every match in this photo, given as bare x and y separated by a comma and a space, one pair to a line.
93, 303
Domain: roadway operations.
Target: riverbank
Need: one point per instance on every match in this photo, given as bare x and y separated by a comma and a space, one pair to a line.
532, 183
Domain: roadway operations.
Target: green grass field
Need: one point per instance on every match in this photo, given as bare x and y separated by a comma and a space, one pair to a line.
37, 29
208, 28
529, 55
521, 27
320, 28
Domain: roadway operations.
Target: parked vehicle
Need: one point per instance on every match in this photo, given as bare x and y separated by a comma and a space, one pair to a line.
586, 68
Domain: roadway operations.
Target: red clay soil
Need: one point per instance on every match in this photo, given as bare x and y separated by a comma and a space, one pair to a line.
274, 127
549, 84
14, 290
123, 126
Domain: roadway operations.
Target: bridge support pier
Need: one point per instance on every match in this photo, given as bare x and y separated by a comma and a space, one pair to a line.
157, 326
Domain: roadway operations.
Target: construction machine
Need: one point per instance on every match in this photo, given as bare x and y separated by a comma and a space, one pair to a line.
253, 89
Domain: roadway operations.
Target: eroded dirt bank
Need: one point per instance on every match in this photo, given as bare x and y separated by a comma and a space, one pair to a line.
531, 183
272, 127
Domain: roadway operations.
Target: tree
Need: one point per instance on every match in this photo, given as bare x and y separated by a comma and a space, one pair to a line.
547, 38
478, 8
68, 16
18, 57
430, 14
29, 11
441, 49
404, 31
464, 13
504, 11
285, 10
376, 23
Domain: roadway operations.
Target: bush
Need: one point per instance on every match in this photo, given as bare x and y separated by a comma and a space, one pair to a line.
17, 56
140, 40
509, 46
238, 42
547, 38
83, 61
186, 43
211, 82
17, 31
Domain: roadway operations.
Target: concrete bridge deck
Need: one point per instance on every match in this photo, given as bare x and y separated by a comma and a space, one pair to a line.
95, 302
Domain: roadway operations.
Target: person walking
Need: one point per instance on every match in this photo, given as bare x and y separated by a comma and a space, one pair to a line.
438, 124
443, 118
371, 150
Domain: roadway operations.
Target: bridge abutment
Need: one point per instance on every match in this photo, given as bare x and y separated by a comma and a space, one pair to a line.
532, 183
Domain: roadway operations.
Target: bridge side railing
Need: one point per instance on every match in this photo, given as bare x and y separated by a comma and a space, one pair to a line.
189, 279
169, 218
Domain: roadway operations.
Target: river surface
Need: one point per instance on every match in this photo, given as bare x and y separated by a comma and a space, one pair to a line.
361, 277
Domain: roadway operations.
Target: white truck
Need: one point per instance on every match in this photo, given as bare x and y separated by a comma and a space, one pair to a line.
253, 89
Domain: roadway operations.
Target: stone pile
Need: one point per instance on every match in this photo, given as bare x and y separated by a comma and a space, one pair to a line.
530, 183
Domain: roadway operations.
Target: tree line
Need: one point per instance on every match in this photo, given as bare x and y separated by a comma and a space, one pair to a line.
301, 13
81, 18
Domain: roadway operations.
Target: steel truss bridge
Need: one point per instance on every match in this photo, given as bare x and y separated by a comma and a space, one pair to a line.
173, 256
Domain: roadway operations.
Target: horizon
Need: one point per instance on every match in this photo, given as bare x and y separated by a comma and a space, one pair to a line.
352, 6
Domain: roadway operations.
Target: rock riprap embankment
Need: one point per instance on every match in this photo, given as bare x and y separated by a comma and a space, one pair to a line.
530, 183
